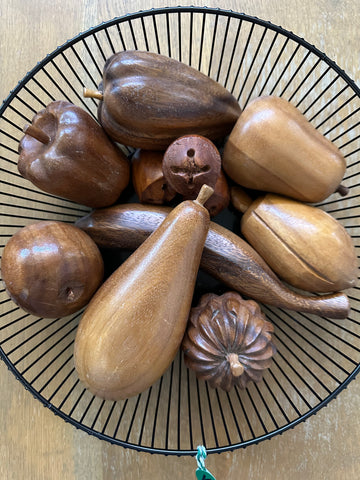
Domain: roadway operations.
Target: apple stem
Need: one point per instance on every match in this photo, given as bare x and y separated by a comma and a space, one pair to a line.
36, 133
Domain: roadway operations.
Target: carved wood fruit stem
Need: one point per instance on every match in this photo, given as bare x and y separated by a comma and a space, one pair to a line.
90, 93
36, 133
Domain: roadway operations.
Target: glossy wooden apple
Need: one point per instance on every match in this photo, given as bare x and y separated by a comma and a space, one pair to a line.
51, 269
65, 152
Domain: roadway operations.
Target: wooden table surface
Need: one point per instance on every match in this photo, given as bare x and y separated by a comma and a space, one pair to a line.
34, 443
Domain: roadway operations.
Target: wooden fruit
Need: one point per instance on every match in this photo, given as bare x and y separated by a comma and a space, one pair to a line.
220, 199
148, 178
51, 269
226, 256
228, 341
65, 152
134, 325
189, 162
304, 245
148, 100
274, 148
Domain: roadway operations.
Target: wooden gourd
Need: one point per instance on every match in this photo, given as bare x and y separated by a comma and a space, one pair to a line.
274, 148
149, 100
148, 178
304, 245
226, 256
134, 325
228, 341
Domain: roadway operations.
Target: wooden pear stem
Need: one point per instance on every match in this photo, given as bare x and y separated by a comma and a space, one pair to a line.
90, 93
240, 199
204, 194
36, 133
236, 367
343, 190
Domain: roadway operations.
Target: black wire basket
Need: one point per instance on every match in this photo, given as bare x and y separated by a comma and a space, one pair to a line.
317, 357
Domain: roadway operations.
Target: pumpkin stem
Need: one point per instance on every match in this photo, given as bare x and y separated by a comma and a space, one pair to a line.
90, 93
36, 133
236, 367
204, 194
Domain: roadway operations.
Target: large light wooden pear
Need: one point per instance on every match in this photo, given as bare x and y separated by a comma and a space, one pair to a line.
134, 325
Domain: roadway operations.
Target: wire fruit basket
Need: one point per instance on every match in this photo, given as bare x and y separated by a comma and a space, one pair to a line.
317, 357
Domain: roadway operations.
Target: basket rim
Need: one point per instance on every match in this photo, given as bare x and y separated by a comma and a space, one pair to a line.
48, 58
173, 452
186, 9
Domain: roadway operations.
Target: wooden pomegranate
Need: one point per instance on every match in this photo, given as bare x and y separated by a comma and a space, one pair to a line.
51, 269
134, 325
274, 148
228, 341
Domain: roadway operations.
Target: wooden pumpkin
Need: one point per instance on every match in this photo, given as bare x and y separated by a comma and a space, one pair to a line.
228, 341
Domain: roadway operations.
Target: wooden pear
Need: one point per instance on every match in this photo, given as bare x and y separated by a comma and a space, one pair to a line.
134, 325
274, 148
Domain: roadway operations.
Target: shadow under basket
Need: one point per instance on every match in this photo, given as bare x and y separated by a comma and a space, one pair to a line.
317, 357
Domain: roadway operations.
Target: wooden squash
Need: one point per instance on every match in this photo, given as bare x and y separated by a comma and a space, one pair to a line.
304, 245
228, 341
148, 100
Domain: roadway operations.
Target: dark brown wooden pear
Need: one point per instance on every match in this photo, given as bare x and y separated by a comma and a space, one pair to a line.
134, 325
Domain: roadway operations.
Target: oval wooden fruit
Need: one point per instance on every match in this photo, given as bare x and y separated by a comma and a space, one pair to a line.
274, 148
304, 245
134, 325
149, 100
51, 269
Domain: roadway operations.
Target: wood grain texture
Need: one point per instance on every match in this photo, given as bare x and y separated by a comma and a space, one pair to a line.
226, 257
34, 443
262, 127
144, 307
138, 118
